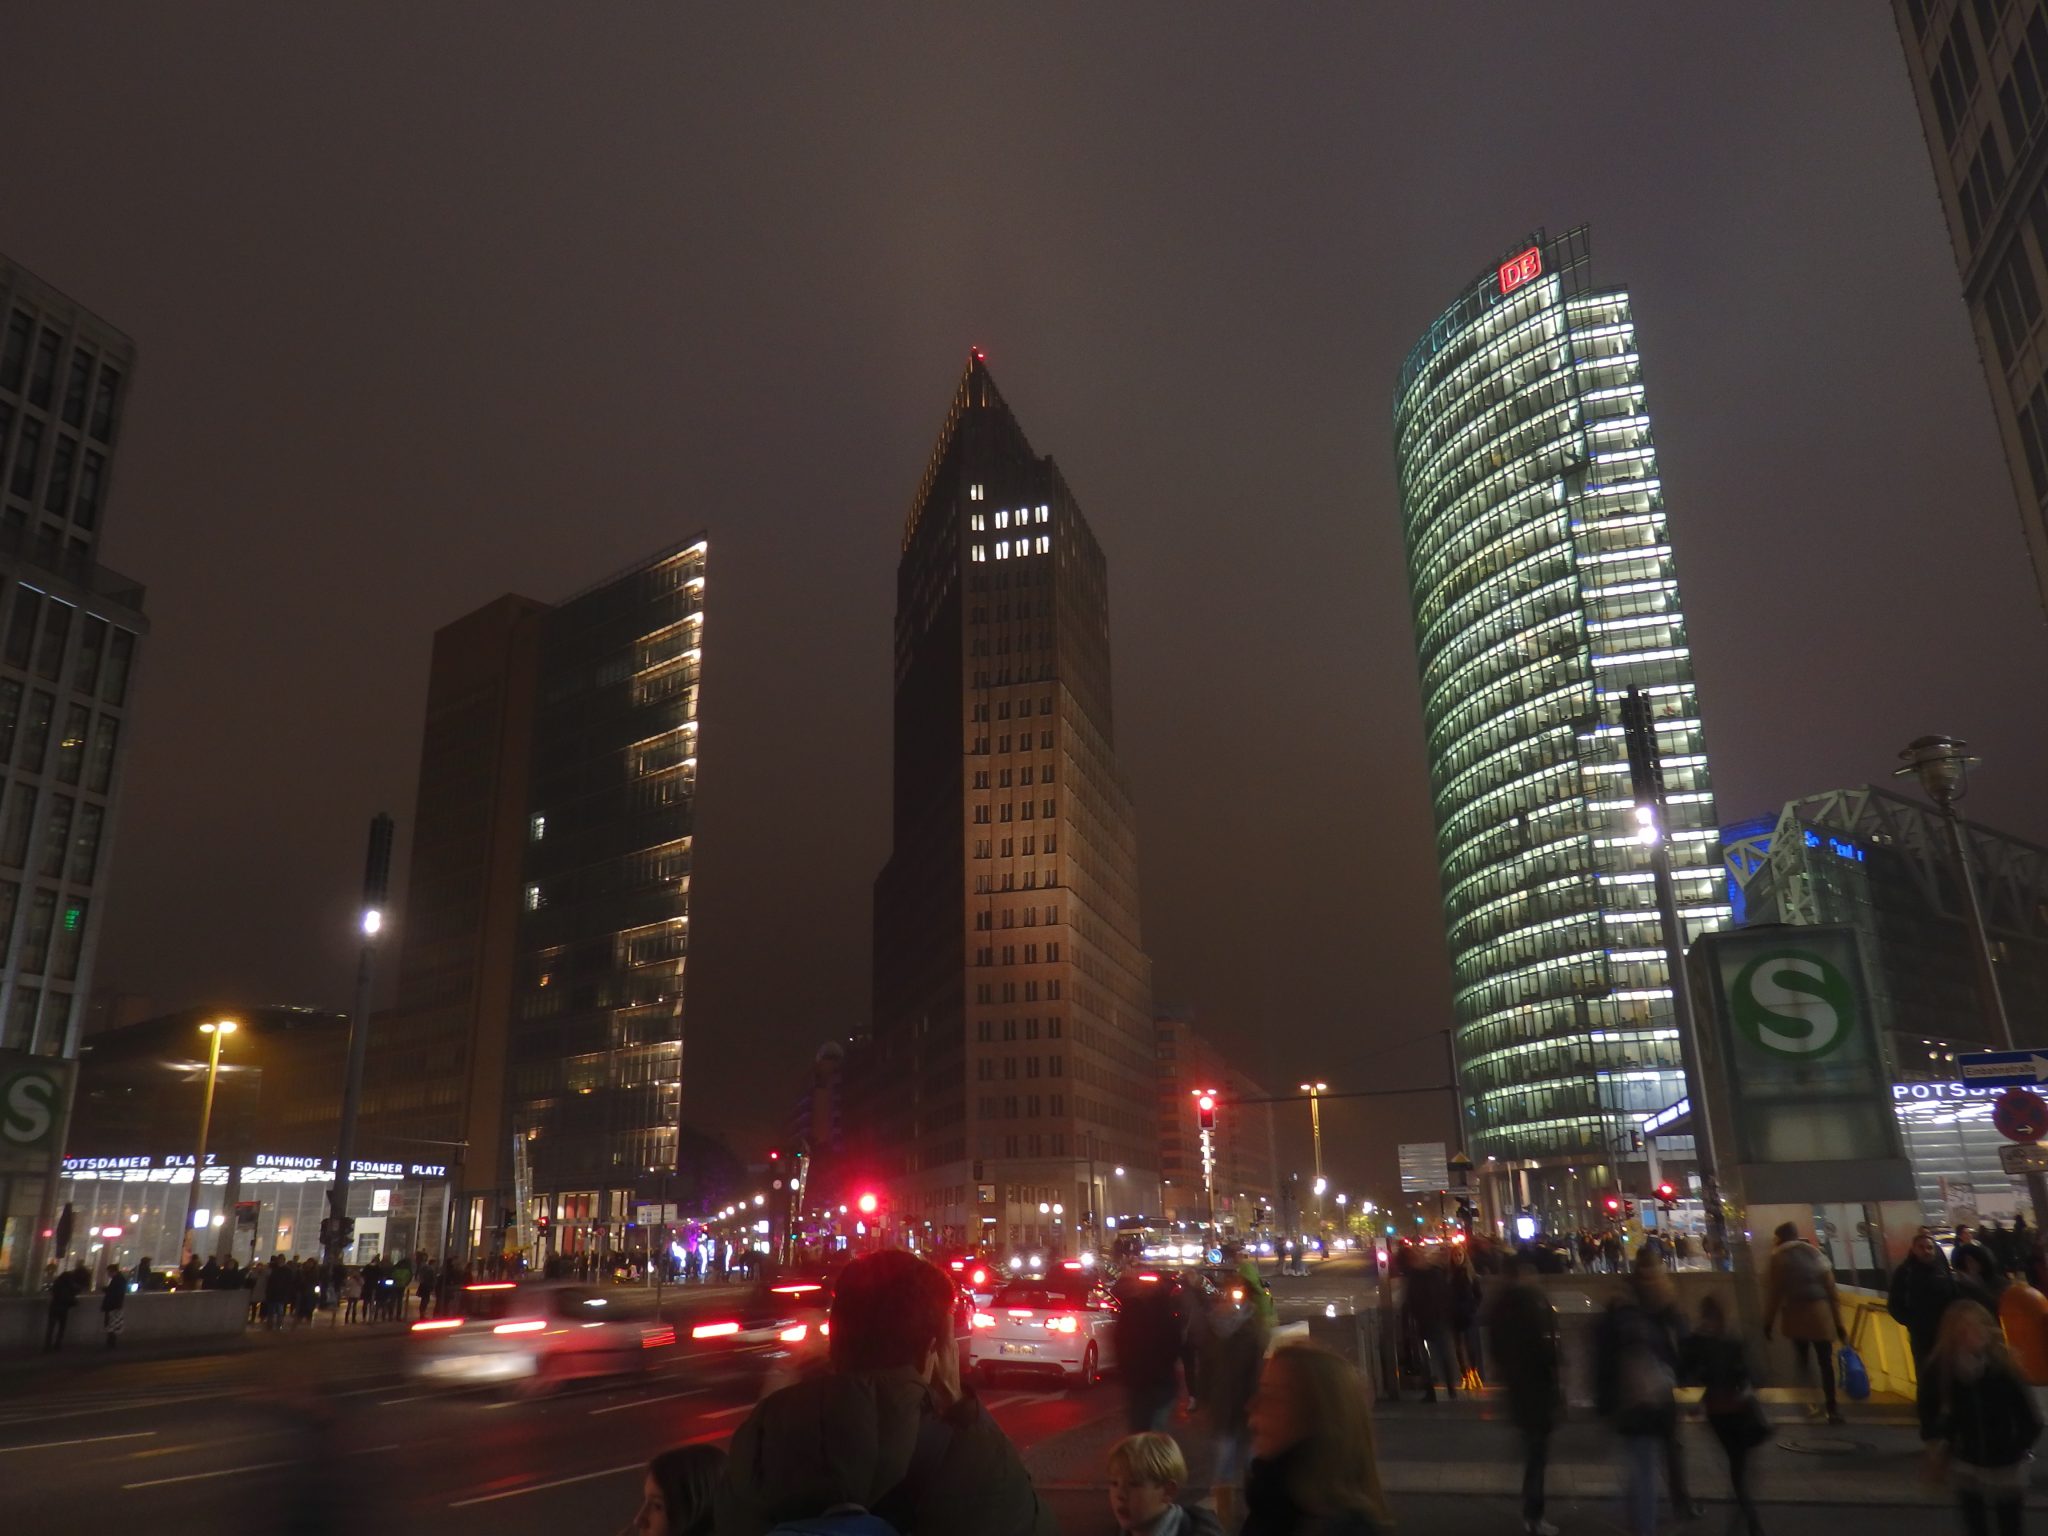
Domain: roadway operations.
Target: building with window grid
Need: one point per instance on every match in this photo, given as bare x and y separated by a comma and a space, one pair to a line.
69, 632
547, 917
1543, 586
1013, 1040
1980, 76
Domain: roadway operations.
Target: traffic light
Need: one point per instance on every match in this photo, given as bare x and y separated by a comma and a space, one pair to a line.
1628, 1209
1614, 1205
774, 1154
868, 1204
1667, 1194
1205, 1108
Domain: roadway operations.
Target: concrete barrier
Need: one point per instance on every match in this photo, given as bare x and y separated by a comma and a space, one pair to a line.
149, 1318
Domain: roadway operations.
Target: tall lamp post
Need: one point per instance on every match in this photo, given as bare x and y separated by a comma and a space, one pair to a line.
1315, 1092
215, 1032
1942, 765
337, 1230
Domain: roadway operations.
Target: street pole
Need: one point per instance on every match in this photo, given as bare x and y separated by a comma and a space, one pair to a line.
1315, 1124
376, 887
1942, 765
214, 1033
1646, 775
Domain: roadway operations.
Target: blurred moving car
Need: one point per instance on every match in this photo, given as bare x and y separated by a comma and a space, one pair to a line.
1062, 1323
531, 1333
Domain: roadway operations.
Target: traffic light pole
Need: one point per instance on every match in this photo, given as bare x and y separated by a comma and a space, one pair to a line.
336, 1230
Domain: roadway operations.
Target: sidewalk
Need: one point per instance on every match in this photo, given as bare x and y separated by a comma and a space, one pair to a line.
1468, 1448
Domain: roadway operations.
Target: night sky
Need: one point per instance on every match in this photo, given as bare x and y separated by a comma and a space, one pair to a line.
439, 302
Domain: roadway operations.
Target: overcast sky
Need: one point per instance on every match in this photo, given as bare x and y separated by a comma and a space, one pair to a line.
436, 302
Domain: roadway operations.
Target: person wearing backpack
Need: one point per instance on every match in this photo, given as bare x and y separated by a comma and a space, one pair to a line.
1800, 1299
887, 1439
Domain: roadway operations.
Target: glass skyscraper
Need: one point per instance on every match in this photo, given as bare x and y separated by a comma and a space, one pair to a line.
1543, 587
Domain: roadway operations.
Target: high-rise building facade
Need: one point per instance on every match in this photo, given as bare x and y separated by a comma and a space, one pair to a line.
546, 926
1980, 76
1543, 589
1013, 1020
69, 632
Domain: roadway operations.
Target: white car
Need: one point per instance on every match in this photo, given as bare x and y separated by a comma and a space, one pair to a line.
530, 1334
1064, 1322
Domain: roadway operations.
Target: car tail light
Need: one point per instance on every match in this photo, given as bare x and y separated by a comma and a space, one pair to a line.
657, 1338
1071, 1264
436, 1324
825, 1329
795, 1334
491, 1285
1022, 1312
981, 1277
956, 1263
531, 1325
983, 1320
1237, 1293
1149, 1279
801, 1289
1064, 1324
714, 1330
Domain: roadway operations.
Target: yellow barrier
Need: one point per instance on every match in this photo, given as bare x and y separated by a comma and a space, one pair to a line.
1887, 1354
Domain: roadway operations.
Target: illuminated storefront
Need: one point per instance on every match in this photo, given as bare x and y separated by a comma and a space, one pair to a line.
1543, 589
1953, 1147
131, 1207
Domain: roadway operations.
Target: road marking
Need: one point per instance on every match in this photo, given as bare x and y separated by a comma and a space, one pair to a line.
642, 1402
560, 1482
51, 1445
200, 1477
722, 1413
126, 1405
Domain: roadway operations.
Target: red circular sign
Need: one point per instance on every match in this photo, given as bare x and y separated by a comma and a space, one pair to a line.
2020, 1115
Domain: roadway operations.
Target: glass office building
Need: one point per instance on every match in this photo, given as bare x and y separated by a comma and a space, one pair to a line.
1543, 589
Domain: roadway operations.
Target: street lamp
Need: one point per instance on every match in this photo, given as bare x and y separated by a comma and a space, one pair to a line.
1315, 1092
216, 1031
1942, 765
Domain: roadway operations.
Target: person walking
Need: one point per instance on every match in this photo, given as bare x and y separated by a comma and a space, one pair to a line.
1978, 1420
1800, 1299
1521, 1342
1148, 1342
889, 1428
351, 1294
1313, 1471
1636, 1380
64, 1289
1923, 1289
113, 1305
1714, 1360
1230, 1378
1428, 1304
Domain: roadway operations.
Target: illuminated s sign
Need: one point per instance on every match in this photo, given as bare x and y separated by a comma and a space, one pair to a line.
1522, 269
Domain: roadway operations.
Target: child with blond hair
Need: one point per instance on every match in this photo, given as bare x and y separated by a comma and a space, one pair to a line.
1146, 1475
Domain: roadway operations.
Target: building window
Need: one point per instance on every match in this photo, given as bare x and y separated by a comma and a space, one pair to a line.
532, 905
536, 827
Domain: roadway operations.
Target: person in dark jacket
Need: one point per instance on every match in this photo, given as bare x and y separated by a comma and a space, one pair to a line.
64, 1293
1148, 1340
1923, 1288
1313, 1470
1427, 1301
889, 1429
1713, 1359
1230, 1375
1977, 1413
1636, 1378
113, 1305
1521, 1345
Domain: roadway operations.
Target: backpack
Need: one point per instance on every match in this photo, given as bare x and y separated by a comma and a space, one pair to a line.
1806, 1277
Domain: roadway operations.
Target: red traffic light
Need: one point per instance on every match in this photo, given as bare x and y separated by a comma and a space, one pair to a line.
1613, 1205
773, 1154
1667, 1192
868, 1204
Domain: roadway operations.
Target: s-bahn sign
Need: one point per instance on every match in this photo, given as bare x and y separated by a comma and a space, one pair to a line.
32, 1090
1801, 1094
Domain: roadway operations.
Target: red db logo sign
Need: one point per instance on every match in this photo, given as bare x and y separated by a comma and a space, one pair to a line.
1524, 268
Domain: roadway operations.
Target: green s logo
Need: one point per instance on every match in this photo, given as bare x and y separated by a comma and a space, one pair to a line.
1793, 1003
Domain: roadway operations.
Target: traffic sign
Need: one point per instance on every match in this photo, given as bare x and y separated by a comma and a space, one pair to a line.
2020, 1115
2003, 1069
2023, 1157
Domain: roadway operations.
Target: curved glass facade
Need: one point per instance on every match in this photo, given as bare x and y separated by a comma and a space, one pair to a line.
1543, 588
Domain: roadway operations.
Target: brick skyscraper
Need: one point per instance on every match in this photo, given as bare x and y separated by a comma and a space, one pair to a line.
1013, 1016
